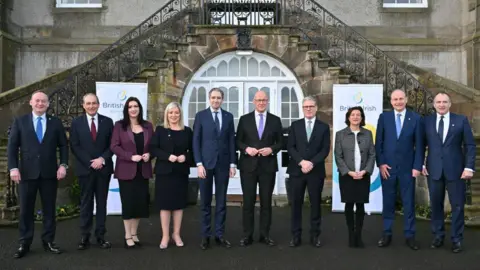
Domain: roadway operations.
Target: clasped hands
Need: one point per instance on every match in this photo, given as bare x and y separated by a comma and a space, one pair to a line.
357, 175
179, 159
266, 151
137, 158
306, 165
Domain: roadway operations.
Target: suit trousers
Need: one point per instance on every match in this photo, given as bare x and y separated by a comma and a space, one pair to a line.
315, 187
456, 195
221, 178
407, 191
95, 185
28, 189
266, 183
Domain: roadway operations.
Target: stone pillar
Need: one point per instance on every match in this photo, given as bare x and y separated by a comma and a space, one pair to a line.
8, 47
476, 49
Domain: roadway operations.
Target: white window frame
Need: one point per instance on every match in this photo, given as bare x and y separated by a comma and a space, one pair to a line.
64, 5
424, 4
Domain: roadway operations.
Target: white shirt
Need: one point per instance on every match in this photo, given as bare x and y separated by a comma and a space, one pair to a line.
44, 122
257, 119
219, 115
446, 124
89, 120
402, 116
358, 156
312, 124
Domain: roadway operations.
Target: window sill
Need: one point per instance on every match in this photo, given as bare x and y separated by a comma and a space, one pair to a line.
404, 10
59, 10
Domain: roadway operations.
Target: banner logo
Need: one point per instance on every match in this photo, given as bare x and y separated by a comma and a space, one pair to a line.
122, 95
358, 98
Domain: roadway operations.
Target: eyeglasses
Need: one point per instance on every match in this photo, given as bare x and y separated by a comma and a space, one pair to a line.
261, 100
309, 107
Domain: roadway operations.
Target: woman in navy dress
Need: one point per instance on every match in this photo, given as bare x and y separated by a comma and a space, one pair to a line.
172, 146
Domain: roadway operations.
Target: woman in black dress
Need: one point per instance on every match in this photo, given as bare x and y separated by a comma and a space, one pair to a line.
172, 146
355, 159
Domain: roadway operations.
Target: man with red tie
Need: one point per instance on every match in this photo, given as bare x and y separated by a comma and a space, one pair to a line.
90, 137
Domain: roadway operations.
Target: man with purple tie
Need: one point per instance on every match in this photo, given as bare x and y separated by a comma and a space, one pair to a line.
259, 139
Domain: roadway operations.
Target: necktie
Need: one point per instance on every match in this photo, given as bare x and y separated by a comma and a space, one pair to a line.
217, 122
93, 129
39, 129
260, 126
440, 129
309, 129
399, 125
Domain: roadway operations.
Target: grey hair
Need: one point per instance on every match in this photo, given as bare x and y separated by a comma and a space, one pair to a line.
90, 94
310, 98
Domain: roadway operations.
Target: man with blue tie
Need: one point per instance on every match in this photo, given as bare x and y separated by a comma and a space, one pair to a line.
38, 136
214, 154
400, 150
450, 162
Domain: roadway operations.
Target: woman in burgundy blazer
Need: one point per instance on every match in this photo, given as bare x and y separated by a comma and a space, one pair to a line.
130, 143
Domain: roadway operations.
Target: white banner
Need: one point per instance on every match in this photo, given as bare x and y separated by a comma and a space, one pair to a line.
370, 98
112, 96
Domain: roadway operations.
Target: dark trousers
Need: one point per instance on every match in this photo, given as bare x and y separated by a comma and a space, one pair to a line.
315, 187
266, 183
407, 192
221, 177
28, 193
355, 222
95, 185
456, 195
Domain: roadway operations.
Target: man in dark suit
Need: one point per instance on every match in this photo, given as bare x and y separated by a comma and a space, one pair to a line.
90, 137
308, 147
400, 152
214, 154
450, 162
37, 135
259, 139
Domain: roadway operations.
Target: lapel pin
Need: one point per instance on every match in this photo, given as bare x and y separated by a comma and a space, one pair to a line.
408, 119
453, 125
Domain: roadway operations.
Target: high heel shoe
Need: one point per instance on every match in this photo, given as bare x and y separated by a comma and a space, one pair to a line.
127, 246
162, 246
177, 241
136, 242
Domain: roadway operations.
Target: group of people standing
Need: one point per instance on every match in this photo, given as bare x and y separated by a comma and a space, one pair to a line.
398, 149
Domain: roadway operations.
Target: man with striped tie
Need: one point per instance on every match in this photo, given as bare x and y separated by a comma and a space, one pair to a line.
308, 147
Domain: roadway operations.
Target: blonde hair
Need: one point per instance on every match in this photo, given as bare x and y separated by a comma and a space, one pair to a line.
173, 105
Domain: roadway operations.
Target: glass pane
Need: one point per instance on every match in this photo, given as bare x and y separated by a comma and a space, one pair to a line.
233, 108
285, 123
264, 69
251, 93
190, 123
192, 110
225, 92
251, 107
294, 108
389, 1
95, 1
204, 74
202, 94
285, 110
282, 74
293, 95
285, 94
266, 90
233, 94
202, 106
81, 1
193, 96
243, 67
233, 67
275, 71
235, 121
252, 67
211, 72
222, 69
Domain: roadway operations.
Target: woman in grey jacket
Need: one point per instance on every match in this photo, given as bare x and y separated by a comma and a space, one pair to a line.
355, 158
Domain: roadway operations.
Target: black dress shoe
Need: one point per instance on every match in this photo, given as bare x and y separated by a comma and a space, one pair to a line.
246, 241
266, 240
102, 243
457, 247
315, 241
295, 242
137, 243
385, 241
222, 242
436, 243
127, 246
51, 247
205, 243
411, 243
84, 244
22, 250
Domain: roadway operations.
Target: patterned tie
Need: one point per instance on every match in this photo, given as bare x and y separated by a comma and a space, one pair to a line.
399, 125
39, 129
309, 129
260, 126
217, 122
440, 129
93, 129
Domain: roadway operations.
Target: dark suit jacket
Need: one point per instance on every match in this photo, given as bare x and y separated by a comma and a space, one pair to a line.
455, 154
247, 136
211, 148
345, 150
85, 149
162, 146
37, 159
123, 146
402, 154
315, 150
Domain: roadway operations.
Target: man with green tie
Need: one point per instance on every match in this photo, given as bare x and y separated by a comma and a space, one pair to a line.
308, 147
